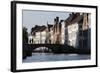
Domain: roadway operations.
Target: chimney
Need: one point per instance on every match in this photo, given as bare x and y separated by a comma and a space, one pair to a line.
73, 13
57, 19
70, 15
54, 20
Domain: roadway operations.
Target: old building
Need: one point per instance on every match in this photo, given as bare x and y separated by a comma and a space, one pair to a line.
49, 36
38, 34
77, 31
56, 31
85, 31
73, 31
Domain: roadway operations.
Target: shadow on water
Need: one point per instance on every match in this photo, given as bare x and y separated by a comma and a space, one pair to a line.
49, 51
47, 57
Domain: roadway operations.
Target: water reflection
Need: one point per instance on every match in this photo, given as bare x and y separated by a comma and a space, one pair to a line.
43, 57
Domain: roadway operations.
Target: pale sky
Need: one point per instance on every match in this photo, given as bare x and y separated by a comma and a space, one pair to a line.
32, 17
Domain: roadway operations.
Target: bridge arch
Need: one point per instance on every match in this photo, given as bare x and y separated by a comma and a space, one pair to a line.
42, 49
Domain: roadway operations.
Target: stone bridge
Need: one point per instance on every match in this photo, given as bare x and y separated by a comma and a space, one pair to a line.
53, 48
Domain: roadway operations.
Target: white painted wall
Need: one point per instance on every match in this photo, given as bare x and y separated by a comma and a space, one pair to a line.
62, 33
73, 35
37, 37
43, 36
40, 37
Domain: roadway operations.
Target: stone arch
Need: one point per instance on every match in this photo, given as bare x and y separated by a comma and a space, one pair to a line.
42, 49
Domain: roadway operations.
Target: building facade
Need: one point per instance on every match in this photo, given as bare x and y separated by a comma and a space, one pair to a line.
38, 35
74, 31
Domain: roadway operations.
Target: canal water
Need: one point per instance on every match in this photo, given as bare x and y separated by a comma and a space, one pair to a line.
44, 57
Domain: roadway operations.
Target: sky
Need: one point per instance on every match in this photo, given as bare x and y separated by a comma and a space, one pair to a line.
32, 18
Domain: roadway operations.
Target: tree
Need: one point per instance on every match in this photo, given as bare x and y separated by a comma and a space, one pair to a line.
25, 35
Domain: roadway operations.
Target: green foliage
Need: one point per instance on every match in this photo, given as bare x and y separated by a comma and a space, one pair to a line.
25, 35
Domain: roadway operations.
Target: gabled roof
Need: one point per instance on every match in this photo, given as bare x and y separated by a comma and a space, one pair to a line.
38, 29
42, 28
73, 18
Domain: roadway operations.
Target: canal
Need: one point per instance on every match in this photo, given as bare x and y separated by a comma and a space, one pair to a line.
44, 57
